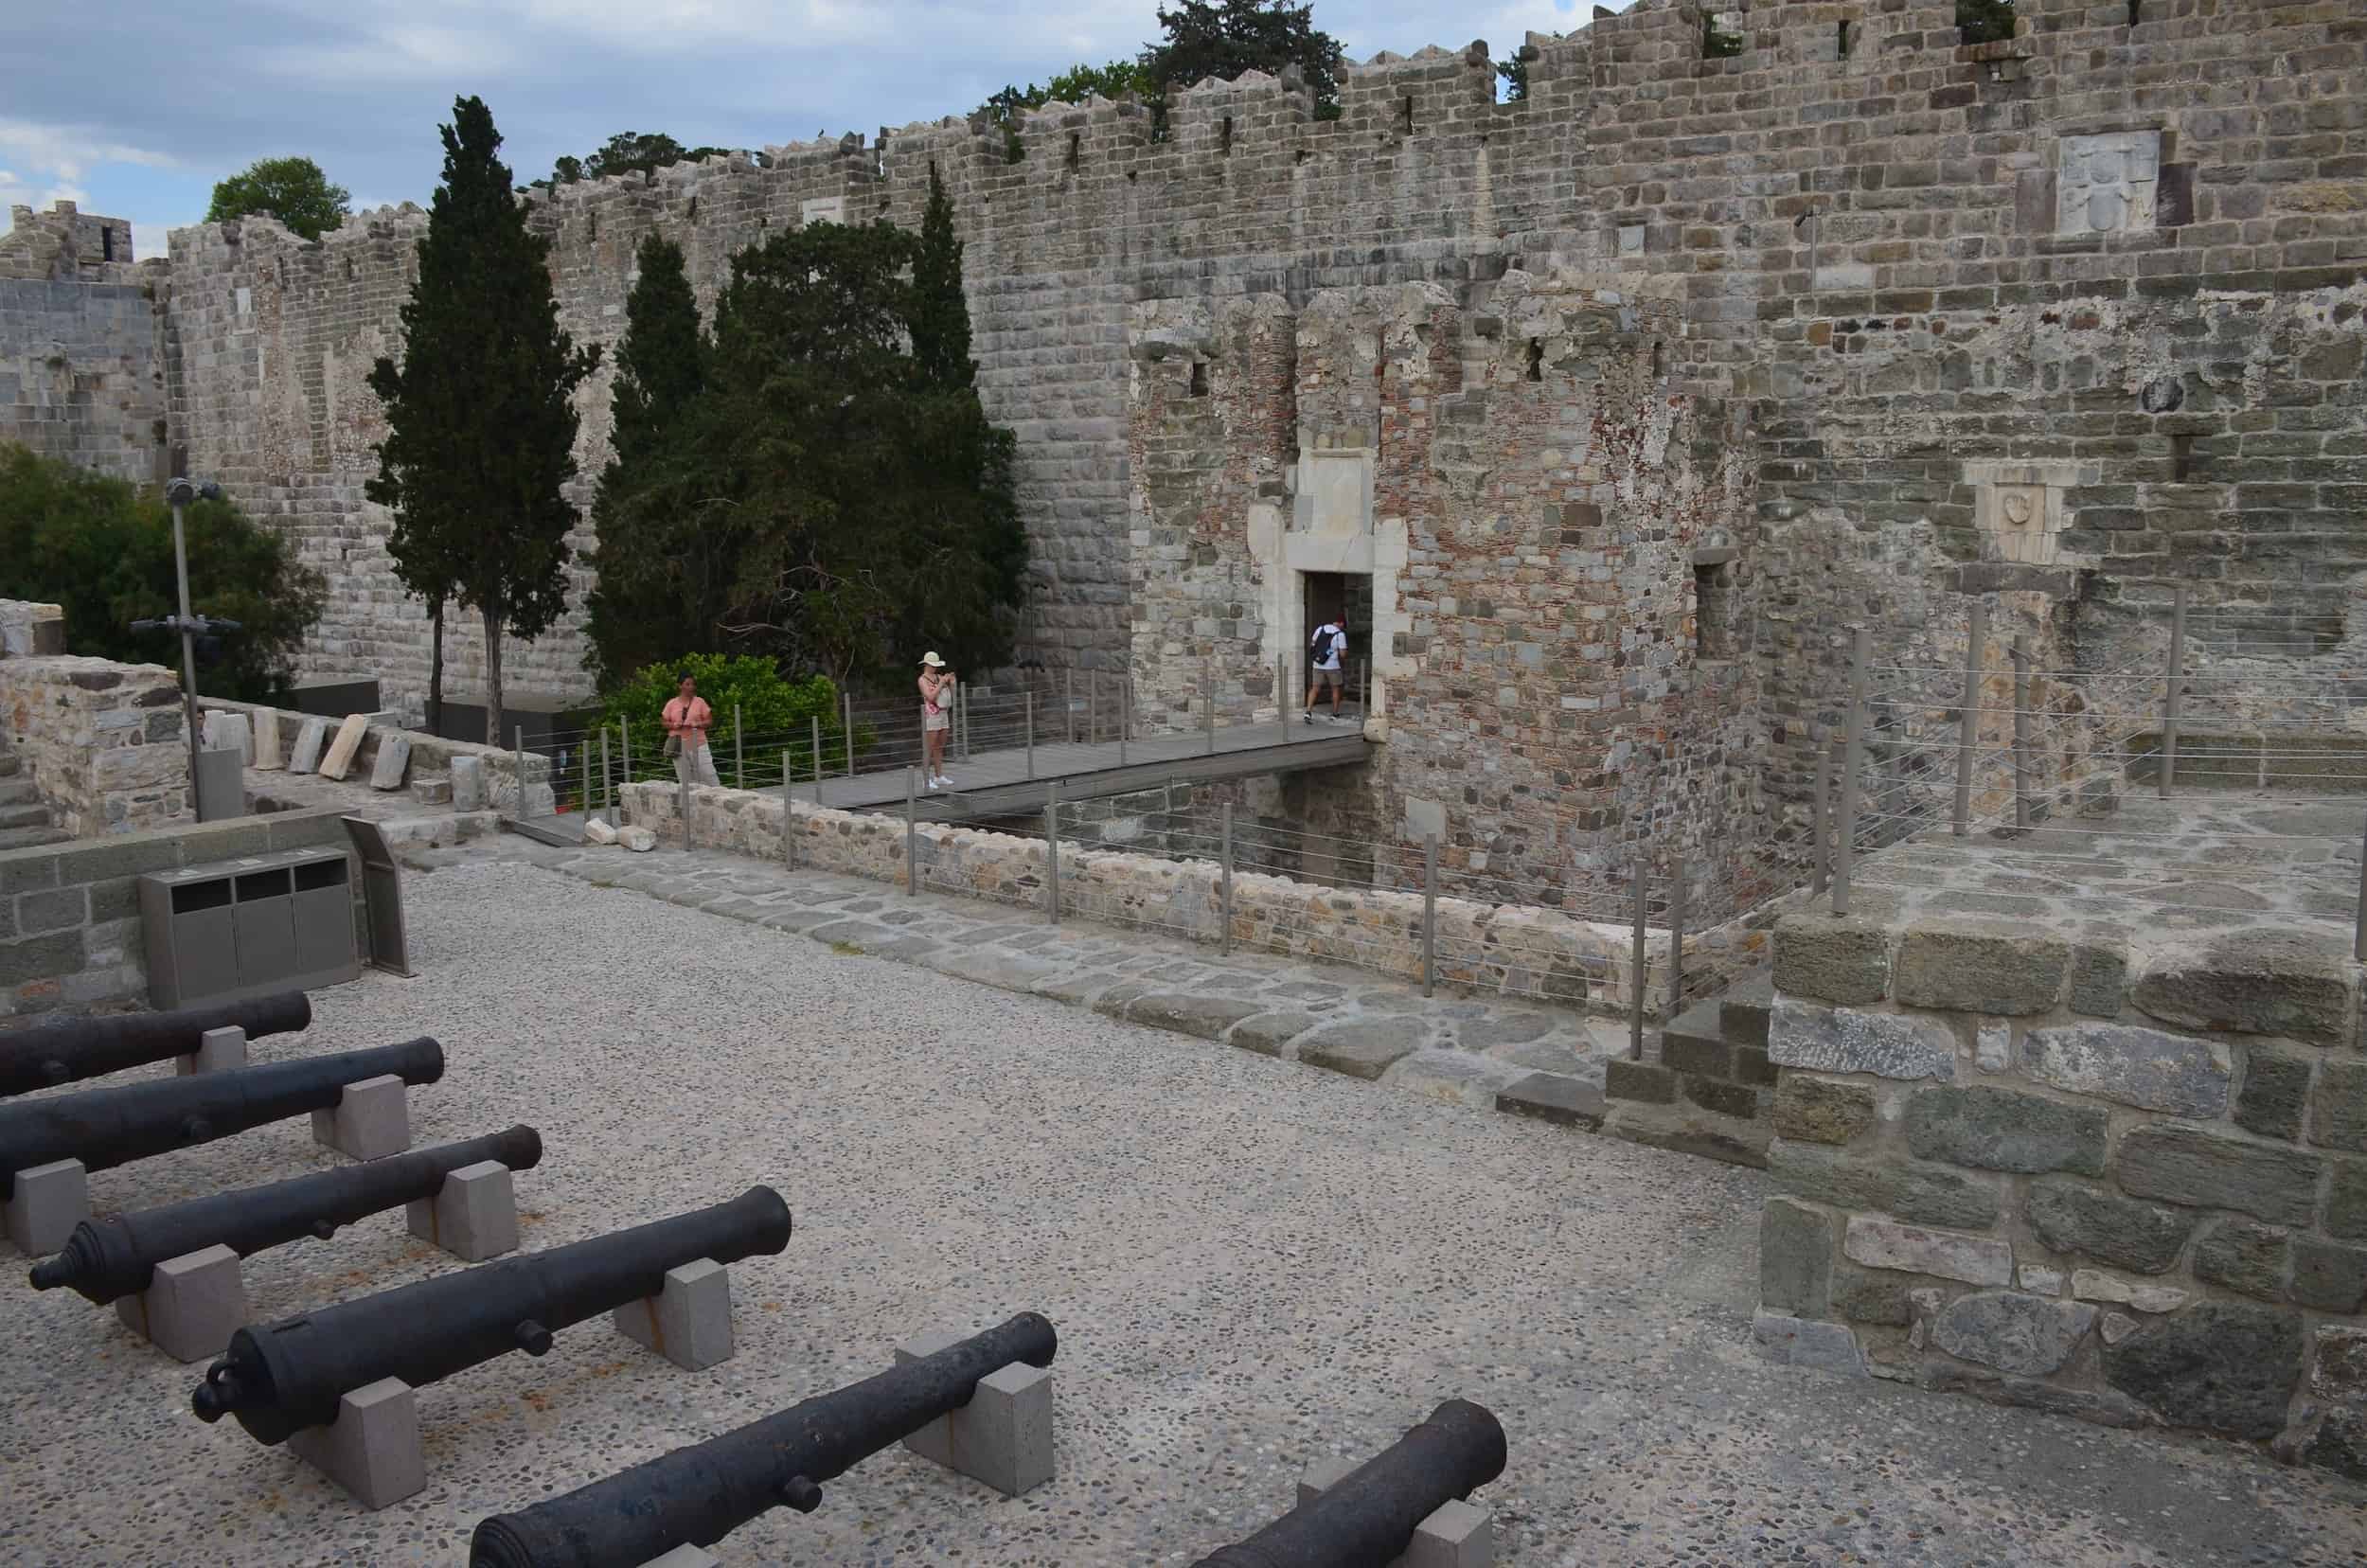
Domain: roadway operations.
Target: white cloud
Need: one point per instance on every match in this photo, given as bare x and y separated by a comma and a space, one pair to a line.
65, 153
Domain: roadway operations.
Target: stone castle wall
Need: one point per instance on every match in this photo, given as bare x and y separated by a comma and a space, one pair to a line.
81, 344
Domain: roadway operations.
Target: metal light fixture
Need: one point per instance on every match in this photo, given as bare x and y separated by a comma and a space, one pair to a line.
180, 493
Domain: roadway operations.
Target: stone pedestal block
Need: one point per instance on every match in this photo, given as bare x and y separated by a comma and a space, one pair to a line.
308, 741
370, 1121
474, 1215
689, 1322
223, 731
1002, 1437
217, 1050
1456, 1535
339, 761
191, 1307
394, 756
267, 741
47, 1202
372, 1448
468, 784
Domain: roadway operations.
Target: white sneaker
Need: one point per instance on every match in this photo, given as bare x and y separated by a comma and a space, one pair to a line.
933, 783
943, 782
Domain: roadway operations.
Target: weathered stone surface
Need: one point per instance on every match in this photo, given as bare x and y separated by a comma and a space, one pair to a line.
1825, 960
339, 761
597, 830
2339, 1109
433, 790
2254, 982
222, 730
1913, 1249
394, 758
2071, 1216
2180, 1074
468, 784
1993, 1046
2118, 1327
2099, 980
2346, 1201
2026, 1335
2275, 1092
310, 739
1863, 1296
2331, 1278
1267, 1033
1839, 1040
1797, 1342
1554, 1098
2206, 1171
1998, 1129
2093, 1284
1928, 1195
1188, 1012
1644, 1082
1364, 1049
1795, 1258
639, 840
1980, 969
2340, 1445
1821, 1110
2241, 1255
2038, 1278
268, 755
2339, 1370
2223, 1366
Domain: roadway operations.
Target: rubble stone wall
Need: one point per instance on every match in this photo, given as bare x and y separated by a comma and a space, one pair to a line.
103, 742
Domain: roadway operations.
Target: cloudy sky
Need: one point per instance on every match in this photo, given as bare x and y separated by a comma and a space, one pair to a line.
134, 108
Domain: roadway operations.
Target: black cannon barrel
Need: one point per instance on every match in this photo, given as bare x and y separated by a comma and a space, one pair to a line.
116, 1256
283, 1377
87, 1048
699, 1494
112, 1127
1371, 1515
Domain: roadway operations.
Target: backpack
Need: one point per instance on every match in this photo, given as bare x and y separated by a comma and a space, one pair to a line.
1320, 645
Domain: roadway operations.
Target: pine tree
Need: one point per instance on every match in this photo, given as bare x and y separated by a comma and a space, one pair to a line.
940, 313
636, 609
481, 423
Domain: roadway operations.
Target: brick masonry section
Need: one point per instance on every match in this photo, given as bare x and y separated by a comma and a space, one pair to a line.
105, 744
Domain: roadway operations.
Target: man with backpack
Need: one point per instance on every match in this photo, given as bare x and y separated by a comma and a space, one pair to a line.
1327, 647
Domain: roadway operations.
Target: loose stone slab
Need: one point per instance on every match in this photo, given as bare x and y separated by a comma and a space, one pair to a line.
393, 759
2187, 1165
1949, 1255
2179, 1073
339, 761
309, 740
1365, 1049
639, 840
468, 783
1840, 1039
225, 731
2026, 1335
268, 757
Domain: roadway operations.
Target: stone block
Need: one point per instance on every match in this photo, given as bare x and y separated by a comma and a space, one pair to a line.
2329, 1277
1998, 1129
2241, 1255
372, 1448
1270, 1034
1993, 1046
2339, 1370
1928, 1195
1795, 1258
2275, 1092
639, 840
46, 957
2346, 1201
1798, 1342
1643, 1082
1752, 1067
474, 1215
44, 1205
2041, 1279
2026, 1336
688, 1321
1454, 1535
339, 760
1840, 1039
1970, 968
1738, 1100
2254, 982
1821, 1110
192, 1304
2181, 1075
1191, 1013
2340, 1444
1824, 959
370, 1120
394, 758
432, 790
1913, 1249
2099, 980
2339, 1109
2207, 1170
2071, 1216
217, 1051
268, 755
1002, 1437
1554, 1098
225, 731
1364, 1050
1863, 1296
468, 784
597, 831
311, 736
2223, 1366
2095, 1285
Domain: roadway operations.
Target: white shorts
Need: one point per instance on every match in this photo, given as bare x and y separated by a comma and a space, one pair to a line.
933, 720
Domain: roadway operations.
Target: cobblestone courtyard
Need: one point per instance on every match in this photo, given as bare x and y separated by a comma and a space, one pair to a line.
1252, 1263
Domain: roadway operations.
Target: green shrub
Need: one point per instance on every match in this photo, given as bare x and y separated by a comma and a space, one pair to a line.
776, 715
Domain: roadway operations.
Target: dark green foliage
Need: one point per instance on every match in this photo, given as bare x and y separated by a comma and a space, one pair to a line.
1223, 38
292, 189
481, 420
635, 613
940, 312
1074, 85
104, 550
1516, 74
626, 152
1717, 44
1985, 21
777, 715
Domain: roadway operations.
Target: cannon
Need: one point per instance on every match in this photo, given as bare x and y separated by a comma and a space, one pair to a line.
88, 1047
116, 1256
1370, 1515
699, 1494
282, 1378
111, 1126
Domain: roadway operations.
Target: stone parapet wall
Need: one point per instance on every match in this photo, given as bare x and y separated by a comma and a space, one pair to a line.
2123, 1179
30, 629
429, 754
103, 742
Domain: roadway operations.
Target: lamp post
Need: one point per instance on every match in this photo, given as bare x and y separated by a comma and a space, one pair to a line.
180, 493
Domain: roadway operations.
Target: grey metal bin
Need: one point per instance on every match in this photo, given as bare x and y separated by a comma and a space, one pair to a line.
249, 927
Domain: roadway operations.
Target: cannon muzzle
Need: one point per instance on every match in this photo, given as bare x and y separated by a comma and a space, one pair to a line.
1370, 1516
89, 1047
117, 1255
699, 1494
280, 1378
111, 1126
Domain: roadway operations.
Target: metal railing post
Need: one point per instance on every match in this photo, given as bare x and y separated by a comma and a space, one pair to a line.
1853, 751
912, 830
739, 752
789, 815
586, 746
1068, 704
1430, 913
1093, 707
816, 719
2021, 732
624, 745
1675, 937
1820, 818
520, 732
1208, 697
1125, 713
1282, 694
1637, 963
961, 715
847, 699
2167, 770
1224, 884
607, 791
1031, 735
1052, 849
1968, 721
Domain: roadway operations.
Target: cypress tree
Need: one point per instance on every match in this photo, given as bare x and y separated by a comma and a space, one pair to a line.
637, 606
940, 314
480, 421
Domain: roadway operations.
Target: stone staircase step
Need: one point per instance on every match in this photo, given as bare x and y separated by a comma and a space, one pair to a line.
1695, 1043
31, 838
1743, 1012
10, 765
18, 791
33, 816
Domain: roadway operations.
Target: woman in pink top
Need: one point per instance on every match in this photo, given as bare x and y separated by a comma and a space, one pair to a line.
936, 717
